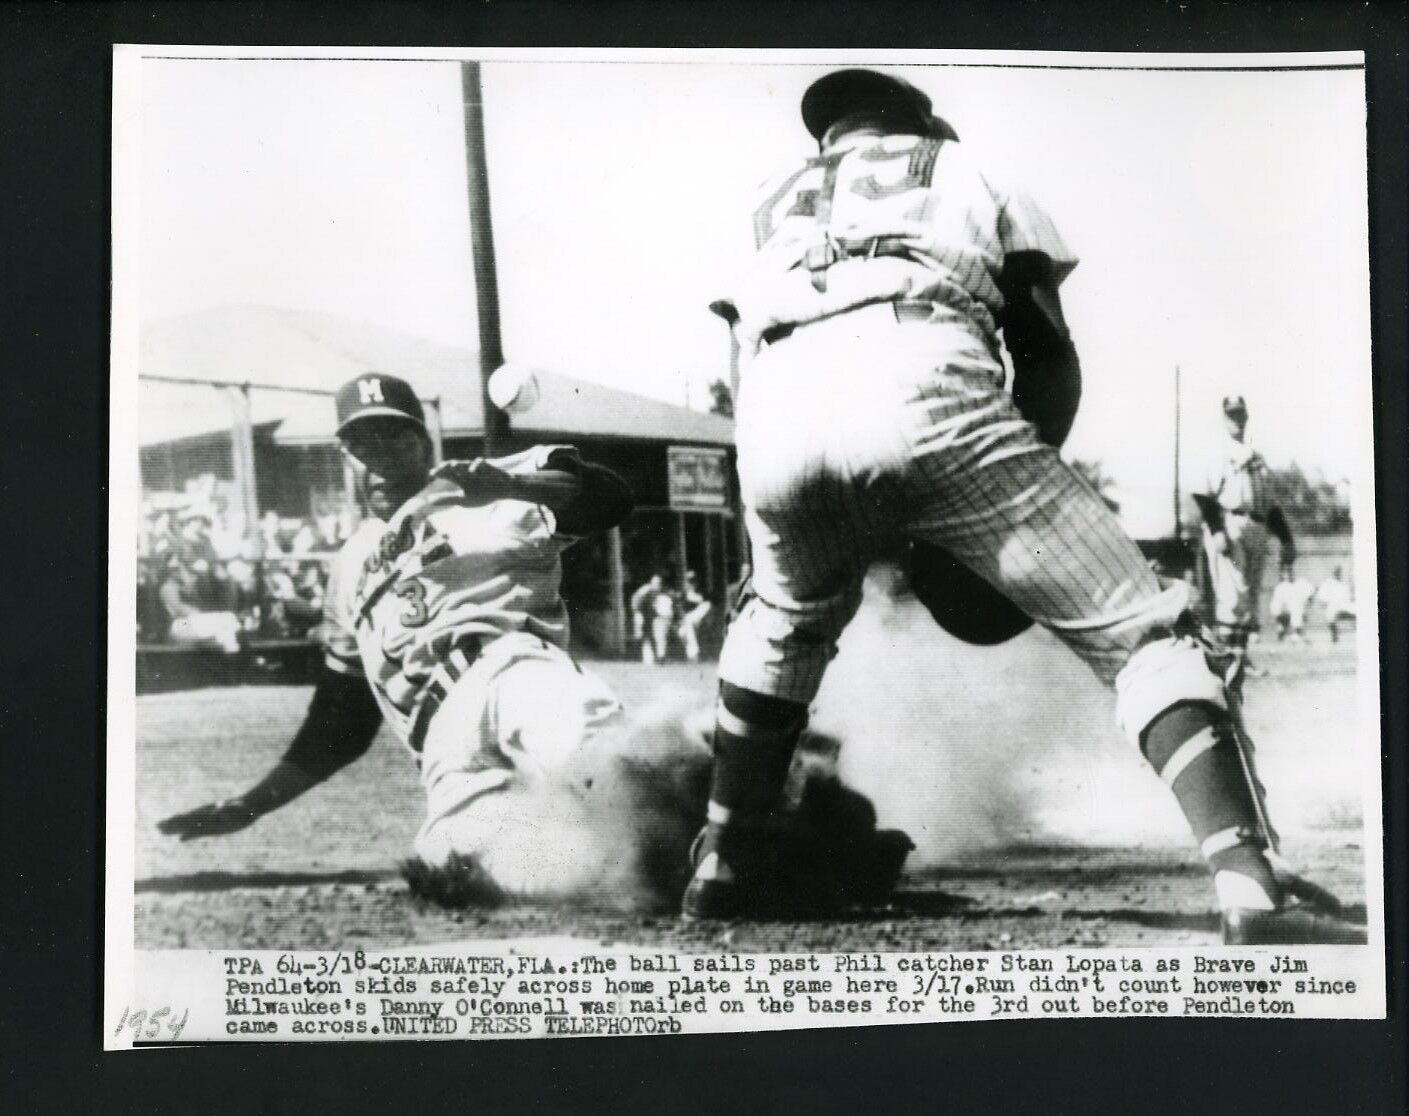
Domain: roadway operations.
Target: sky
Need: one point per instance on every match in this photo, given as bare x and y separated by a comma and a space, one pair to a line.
1220, 219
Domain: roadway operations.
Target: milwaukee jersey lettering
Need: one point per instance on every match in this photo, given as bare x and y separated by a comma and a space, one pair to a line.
404, 593
883, 219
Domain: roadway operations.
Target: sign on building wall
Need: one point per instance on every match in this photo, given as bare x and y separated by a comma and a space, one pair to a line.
699, 478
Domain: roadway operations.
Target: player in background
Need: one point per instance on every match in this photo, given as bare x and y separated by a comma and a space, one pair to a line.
1290, 596
1240, 517
651, 612
694, 611
1335, 597
444, 617
872, 410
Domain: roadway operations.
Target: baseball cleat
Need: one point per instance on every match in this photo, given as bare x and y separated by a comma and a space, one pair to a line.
717, 890
1303, 890
1296, 924
791, 872
713, 892
1309, 915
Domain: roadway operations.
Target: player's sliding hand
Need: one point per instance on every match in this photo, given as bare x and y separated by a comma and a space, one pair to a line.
214, 819
481, 482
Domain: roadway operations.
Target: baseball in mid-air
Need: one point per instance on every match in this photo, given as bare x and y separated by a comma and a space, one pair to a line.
513, 388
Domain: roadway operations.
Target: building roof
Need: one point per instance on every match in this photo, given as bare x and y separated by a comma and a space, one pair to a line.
295, 349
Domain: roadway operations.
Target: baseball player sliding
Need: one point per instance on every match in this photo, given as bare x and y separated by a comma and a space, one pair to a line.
872, 410
444, 616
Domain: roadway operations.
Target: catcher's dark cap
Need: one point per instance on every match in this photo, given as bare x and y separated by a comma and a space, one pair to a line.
376, 393
1234, 405
845, 92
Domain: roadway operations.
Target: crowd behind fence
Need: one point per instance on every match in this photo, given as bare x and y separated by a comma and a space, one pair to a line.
196, 559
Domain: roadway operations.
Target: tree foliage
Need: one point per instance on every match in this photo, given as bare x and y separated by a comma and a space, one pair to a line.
721, 399
1313, 504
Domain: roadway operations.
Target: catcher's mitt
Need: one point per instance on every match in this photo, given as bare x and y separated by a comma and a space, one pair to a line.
961, 602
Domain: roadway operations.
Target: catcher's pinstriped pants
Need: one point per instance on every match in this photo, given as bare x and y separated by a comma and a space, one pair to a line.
860, 429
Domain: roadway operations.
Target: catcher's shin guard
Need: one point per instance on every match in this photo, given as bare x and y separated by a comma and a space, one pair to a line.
1307, 913
1234, 666
1180, 697
755, 737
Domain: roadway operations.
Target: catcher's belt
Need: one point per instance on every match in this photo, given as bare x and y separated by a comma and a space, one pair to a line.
834, 248
458, 659
904, 312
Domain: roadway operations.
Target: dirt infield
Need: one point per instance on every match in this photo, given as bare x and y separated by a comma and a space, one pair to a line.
1036, 824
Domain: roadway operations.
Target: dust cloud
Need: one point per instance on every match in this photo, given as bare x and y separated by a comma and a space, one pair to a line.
970, 748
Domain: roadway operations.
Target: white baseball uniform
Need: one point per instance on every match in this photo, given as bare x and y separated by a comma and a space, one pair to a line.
1289, 600
694, 610
455, 615
883, 414
1237, 478
1335, 596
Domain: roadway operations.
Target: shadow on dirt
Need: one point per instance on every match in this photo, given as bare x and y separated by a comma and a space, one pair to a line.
232, 881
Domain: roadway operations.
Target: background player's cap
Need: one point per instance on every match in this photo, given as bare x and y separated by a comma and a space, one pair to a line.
376, 393
1234, 405
845, 92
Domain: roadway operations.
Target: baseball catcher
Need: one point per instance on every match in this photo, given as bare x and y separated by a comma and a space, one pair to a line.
444, 617
872, 412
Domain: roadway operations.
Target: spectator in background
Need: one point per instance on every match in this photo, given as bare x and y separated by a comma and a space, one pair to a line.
329, 537
219, 593
694, 609
1335, 596
289, 613
189, 624
311, 583
246, 587
270, 529
160, 537
276, 590
227, 535
193, 546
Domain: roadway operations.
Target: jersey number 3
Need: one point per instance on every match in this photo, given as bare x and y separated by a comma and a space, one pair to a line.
413, 592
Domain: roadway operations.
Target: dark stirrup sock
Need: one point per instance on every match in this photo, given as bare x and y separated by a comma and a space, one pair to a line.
1193, 748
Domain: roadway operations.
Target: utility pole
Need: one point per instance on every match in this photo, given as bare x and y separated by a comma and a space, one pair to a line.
491, 350
740, 532
1178, 496
242, 463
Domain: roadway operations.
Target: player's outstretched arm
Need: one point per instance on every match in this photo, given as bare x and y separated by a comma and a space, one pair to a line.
340, 725
584, 498
1046, 370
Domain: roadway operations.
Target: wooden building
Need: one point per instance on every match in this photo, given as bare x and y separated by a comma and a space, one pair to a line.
244, 395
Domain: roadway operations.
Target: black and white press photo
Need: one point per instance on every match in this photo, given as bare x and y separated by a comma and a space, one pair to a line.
643, 542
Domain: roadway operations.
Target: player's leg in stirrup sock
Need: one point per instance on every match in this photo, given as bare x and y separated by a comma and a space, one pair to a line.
1192, 748
1195, 749
754, 739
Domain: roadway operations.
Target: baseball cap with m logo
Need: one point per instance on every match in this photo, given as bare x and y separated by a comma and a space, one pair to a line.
376, 393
